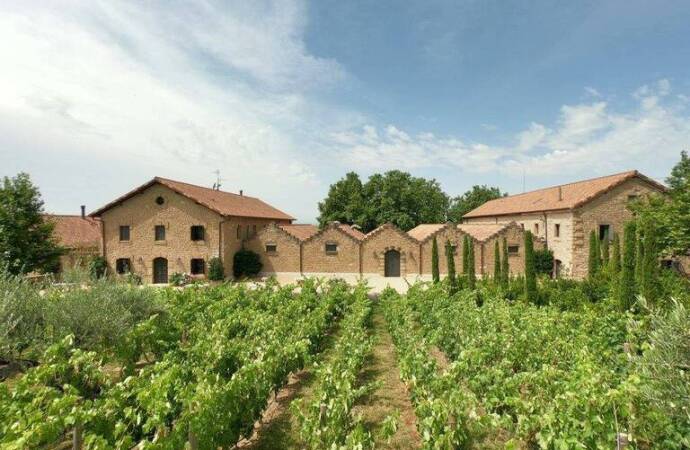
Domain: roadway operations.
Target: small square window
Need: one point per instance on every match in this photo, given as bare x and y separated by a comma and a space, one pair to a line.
522, 225
271, 248
513, 249
604, 232
557, 230
331, 247
197, 266
123, 266
197, 232
632, 197
160, 232
124, 232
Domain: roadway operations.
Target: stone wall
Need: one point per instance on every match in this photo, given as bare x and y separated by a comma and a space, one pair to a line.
448, 233
285, 259
388, 237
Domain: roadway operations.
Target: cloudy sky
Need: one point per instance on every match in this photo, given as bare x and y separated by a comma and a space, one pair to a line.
284, 97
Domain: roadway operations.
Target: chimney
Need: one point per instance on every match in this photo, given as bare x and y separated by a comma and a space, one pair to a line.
241, 192
560, 193
83, 211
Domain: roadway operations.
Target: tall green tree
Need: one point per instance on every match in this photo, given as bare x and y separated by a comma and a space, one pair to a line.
471, 275
605, 252
505, 266
497, 262
531, 294
26, 238
626, 285
396, 197
593, 262
639, 256
435, 275
474, 198
615, 260
344, 203
680, 173
450, 263
649, 286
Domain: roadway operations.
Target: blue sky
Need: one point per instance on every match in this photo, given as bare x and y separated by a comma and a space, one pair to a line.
285, 97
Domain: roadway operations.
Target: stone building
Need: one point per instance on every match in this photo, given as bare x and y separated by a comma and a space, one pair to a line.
280, 247
79, 235
167, 226
564, 215
333, 251
388, 251
443, 232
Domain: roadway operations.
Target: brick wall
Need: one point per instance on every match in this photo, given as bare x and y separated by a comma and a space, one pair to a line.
449, 233
388, 237
286, 258
315, 260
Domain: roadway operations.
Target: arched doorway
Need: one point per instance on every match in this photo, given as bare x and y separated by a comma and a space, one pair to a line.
557, 264
160, 270
392, 264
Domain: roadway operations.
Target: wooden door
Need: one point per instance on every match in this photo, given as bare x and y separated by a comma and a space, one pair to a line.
160, 270
392, 263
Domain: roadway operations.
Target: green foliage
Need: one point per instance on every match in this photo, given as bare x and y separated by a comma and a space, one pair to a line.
627, 286
474, 198
649, 283
216, 271
26, 238
679, 178
465, 255
180, 279
615, 260
450, 264
543, 261
98, 267
471, 272
246, 263
497, 262
393, 197
435, 276
605, 253
593, 260
531, 294
505, 266
639, 255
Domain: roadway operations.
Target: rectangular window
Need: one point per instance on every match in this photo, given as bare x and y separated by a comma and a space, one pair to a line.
331, 247
123, 266
124, 232
513, 249
239, 231
604, 232
160, 232
522, 225
254, 230
197, 266
271, 248
197, 232
632, 197
536, 228
557, 230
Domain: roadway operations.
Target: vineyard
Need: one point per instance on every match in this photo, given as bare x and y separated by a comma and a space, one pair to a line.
208, 367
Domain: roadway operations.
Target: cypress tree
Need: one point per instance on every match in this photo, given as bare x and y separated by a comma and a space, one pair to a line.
626, 287
505, 266
471, 275
649, 287
530, 275
435, 276
593, 263
615, 261
639, 256
450, 262
605, 253
497, 262
465, 255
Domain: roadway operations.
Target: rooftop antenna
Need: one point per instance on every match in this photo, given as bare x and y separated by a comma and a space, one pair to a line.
217, 184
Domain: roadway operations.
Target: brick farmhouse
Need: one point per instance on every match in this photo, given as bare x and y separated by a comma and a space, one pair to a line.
563, 216
167, 226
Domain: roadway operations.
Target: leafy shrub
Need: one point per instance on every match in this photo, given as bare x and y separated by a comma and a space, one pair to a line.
21, 316
543, 261
216, 271
246, 263
180, 279
98, 267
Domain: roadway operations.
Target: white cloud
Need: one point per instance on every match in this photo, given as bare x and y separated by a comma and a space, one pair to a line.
586, 139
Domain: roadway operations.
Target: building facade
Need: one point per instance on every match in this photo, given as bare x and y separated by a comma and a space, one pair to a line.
563, 216
166, 226
79, 236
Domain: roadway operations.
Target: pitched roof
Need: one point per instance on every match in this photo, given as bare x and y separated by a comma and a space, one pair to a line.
354, 232
426, 230
300, 231
572, 195
224, 203
483, 231
389, 226
75, 231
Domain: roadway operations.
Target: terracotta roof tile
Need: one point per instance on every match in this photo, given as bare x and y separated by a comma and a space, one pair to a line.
75, 232
572, 195
301, 231
481, 231
425, 230
224, 203
354, 232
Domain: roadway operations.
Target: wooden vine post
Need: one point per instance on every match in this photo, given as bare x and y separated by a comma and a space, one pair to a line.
77, 440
